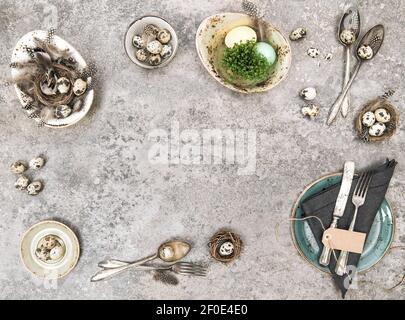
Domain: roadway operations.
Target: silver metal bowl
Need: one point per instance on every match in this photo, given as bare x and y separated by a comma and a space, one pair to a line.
137, 27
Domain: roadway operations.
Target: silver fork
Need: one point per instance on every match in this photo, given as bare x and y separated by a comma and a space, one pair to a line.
359, 197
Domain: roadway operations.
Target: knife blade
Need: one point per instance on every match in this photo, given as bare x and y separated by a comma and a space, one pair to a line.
341, 201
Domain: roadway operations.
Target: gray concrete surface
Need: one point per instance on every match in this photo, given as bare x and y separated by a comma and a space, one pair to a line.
99, 179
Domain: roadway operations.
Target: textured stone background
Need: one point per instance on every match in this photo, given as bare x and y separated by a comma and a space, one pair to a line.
99, 180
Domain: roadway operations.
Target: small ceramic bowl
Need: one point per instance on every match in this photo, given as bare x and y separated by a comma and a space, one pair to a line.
372, 106
62, 266
211, 34
137, 27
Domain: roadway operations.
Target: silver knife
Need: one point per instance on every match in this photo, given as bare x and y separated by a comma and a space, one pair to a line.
348, 174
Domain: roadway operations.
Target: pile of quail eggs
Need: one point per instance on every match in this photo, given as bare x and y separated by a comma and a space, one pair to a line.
376, 122
24, 183
153, 46
50, 249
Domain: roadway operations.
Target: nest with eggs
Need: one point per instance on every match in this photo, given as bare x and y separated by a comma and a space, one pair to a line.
225, 246
391, 126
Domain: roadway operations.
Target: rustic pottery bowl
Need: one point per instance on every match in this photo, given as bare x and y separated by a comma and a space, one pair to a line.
391, 126
137, 27
211, 34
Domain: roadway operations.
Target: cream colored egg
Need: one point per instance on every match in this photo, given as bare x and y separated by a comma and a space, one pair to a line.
240, 35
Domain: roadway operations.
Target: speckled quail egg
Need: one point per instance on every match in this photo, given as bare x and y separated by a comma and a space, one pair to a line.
57, 252
298, 34
42, 254
48, 242
18, 167
151, 30
141, 55
368, 119
164, 36
137, 42
155, 59
63, 85
348, 36
166, 252
377, 130
226, 249
308, 94
34, 188
22, 183
311, 111
37, 163
365, 52
79, 87
62, 111
313, 52
166, 51
382, 115
154, 47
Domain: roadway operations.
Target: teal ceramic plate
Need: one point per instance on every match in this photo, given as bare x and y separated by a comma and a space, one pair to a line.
378, 241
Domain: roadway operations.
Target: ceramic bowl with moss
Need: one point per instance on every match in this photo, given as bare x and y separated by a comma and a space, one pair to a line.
226, 64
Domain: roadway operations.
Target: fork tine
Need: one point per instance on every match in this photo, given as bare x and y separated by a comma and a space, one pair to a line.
360, 184
364, 188
356, 190
367, 185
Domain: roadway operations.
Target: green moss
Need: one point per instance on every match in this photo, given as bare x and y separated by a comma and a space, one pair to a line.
242, 61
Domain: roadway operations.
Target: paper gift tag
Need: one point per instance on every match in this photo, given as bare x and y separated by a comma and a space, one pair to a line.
344, 240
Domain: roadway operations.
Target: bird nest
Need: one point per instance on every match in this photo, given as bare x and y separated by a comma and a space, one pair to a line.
391, 126
221, 238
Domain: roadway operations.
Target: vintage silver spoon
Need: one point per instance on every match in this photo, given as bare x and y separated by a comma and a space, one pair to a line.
366, 50
171, 251
348, 34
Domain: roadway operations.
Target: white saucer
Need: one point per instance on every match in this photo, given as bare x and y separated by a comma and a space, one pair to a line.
44, 270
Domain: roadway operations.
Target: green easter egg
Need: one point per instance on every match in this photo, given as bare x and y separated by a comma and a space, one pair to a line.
267, 51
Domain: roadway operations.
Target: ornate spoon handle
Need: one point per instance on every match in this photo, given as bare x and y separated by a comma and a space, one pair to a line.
346, 101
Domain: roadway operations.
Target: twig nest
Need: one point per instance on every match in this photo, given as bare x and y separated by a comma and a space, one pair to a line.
22, 183
365, 52
377, 121
225, 246
298, 34
37, 163
63, 111
308, 94
34, 188
164, 36
63, 85
18, 167
79, 87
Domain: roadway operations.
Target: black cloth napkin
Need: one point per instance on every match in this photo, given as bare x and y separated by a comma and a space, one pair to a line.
322, 205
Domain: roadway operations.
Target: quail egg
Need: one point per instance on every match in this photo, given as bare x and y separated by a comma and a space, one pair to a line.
166, 51
298, 34
308, 94
365, 52
368, 119
311, 111
18, 167
226, 249
42, 254
63, 85
151, 30
48, 242
167, 252
34, 188
141, 55
377, 130
56, 252
240, 35
79, 87
267, 51
382, 115
62, 111
313, 52
37, 163
164, 36
137, 42
155, 59
348, 36
22, 182
154, 47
